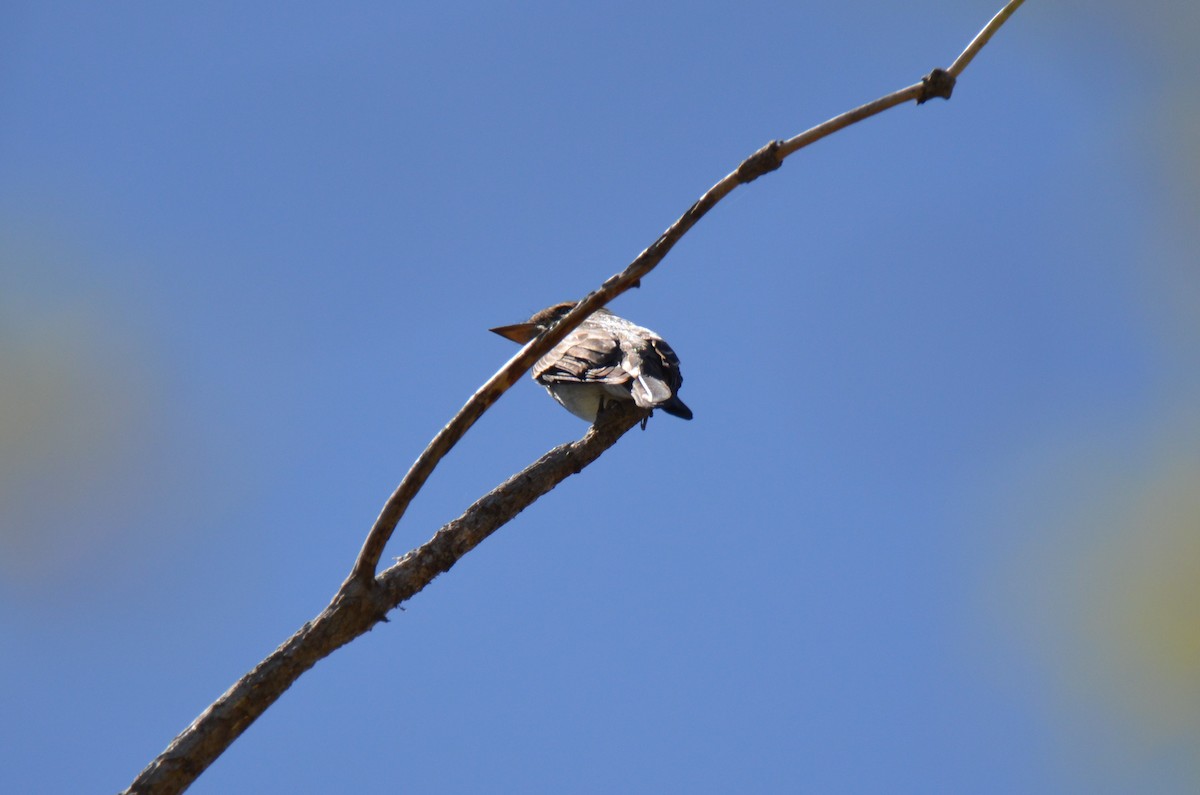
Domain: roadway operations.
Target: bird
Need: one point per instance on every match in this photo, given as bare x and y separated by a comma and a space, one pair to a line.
606, 358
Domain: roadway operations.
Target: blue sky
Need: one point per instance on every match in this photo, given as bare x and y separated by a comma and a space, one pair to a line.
933, 526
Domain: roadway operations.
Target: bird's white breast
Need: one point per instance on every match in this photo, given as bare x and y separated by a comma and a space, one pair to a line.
583, 400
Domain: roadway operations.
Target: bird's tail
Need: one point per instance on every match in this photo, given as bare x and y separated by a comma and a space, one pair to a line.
676, 408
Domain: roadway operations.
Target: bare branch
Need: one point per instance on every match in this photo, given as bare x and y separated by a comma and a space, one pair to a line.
355, 610
982, 38
365, 599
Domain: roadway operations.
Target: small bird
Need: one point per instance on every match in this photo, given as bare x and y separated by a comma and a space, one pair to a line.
605, 358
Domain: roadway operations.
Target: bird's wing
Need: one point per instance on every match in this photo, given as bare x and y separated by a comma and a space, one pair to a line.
654, 371
585, 356
669, 362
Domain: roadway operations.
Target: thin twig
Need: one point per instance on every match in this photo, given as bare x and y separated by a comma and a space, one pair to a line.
364, 599
982, 38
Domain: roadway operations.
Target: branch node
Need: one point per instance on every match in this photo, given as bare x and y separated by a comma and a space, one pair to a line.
763, 161
938, 83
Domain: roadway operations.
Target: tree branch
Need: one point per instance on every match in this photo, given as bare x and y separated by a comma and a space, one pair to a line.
354, 611
983, 37
364, 599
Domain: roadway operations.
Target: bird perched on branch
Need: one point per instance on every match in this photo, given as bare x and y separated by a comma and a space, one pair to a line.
606, 358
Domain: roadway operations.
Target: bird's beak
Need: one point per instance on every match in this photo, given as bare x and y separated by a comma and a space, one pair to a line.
519, 333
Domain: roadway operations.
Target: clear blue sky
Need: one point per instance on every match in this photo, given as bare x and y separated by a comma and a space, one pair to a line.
933, 527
